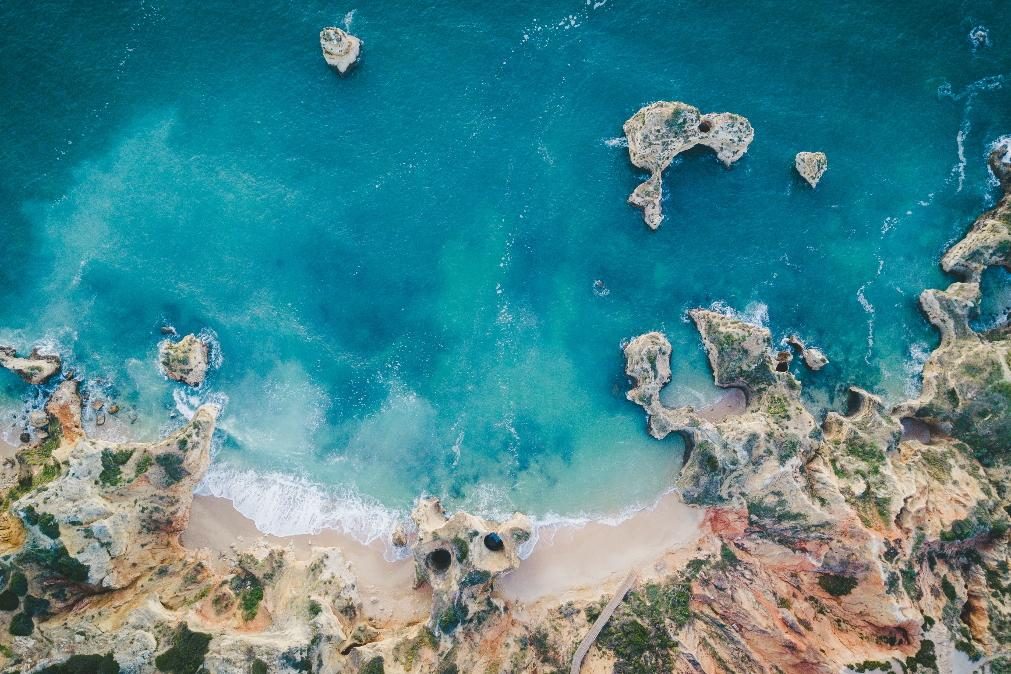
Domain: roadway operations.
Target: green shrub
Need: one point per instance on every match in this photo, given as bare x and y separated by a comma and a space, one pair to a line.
112, 461
19, 584
21, 625
36, 606
143, 463
948, 589
727, 555
46, 523
84, 664
374, 666
9, 601
836, 585
258, 667
250, 602
55, 560
186, 655
172, 464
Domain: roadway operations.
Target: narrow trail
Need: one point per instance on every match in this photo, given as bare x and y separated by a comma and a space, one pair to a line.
598, 625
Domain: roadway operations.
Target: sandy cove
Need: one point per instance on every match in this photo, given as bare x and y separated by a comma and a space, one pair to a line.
568, 562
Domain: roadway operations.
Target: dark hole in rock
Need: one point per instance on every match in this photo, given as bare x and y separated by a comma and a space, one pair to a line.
782, 366
705, 126
439, 559
25, 438
494, 542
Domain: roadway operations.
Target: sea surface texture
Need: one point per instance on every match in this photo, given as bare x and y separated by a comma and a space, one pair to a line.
418, 278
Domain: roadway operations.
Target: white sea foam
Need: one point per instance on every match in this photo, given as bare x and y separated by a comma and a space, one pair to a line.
616, 142
979, 36
918, 354
756, 313
869, 309
348, 18
286, 505
281, 504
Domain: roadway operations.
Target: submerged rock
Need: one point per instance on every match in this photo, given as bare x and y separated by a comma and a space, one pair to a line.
340, 49
36, 369
185, 360
811, 166
660, 131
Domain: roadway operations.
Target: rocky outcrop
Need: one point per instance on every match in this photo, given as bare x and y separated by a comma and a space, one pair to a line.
811, 166
340, 49
988, 242
460, 557
739, 352
813, 358
660, 131
185, 360
37, 368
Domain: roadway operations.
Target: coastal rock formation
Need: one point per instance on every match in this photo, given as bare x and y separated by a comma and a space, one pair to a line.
813, 358
460, 557
660, 131
811, 166
37, 368
185, 360
340, 49
988, 243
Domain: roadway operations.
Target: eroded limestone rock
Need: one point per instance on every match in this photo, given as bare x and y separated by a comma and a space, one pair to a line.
813, 358
340, 49
811, 166
185, 360
460, 557
37, 368
988, 242
660, 131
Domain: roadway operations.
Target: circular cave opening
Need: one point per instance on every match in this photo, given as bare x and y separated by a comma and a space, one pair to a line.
439, 559
494, 542
705, 126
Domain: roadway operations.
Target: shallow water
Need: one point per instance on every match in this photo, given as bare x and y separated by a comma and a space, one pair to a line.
399, 266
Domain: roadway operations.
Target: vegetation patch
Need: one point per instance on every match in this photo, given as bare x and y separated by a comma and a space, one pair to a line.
84, 664
172, 465
408, 650
46, 523
641, 632
56, 560
836, 585
186, 655
112, 463
21, 625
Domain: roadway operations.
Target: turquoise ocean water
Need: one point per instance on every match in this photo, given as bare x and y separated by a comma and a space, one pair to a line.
398, 267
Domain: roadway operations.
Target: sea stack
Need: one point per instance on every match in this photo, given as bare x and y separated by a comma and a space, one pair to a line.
185, 360
340, 49
660, 131
811, 166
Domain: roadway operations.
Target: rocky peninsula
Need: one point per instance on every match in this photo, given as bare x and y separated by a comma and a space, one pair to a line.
661, 131
849, 542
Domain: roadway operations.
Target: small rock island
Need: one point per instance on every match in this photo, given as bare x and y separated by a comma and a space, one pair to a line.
663, 130
340, 49
811, 166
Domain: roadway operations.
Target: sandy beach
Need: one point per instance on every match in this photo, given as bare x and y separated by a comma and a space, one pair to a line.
567, 561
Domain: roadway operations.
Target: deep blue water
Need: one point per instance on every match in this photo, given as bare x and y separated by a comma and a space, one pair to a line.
399, 265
